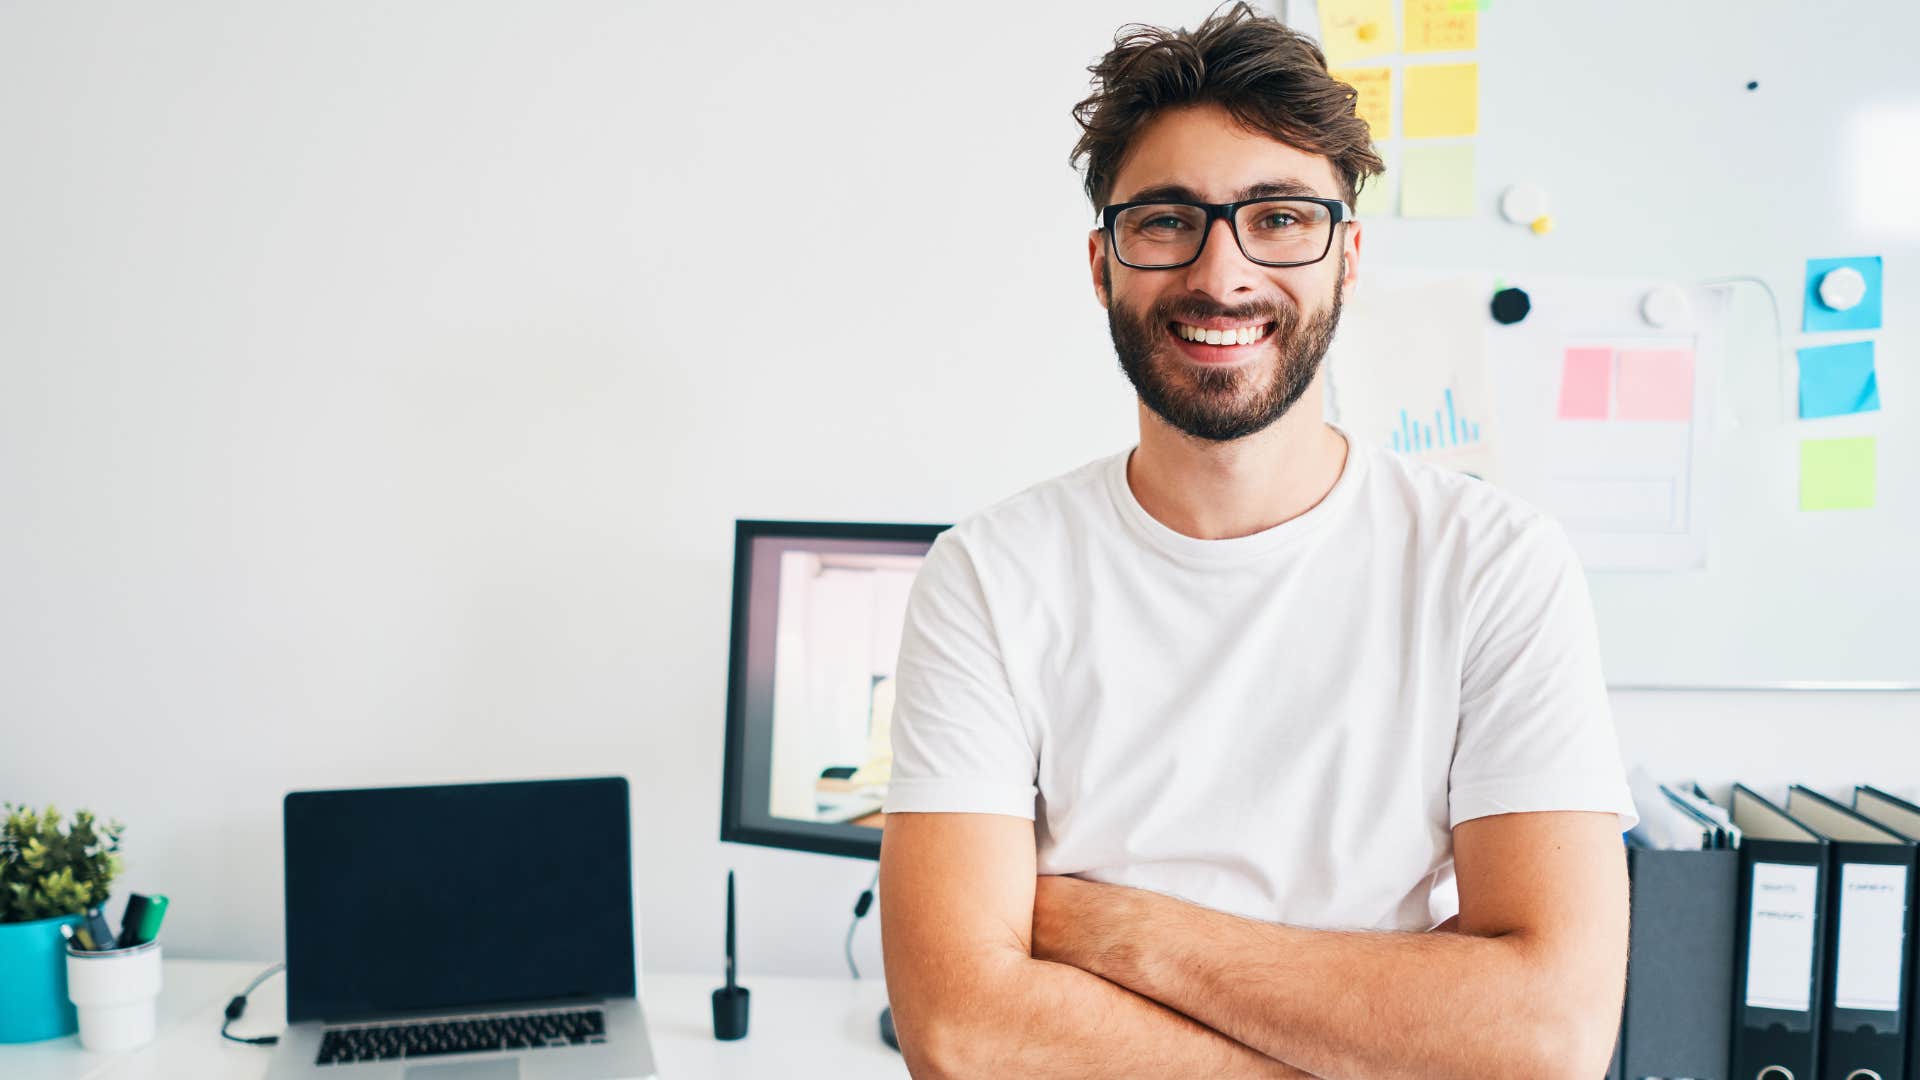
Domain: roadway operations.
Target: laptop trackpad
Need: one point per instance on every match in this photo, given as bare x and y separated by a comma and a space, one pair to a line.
497, 1069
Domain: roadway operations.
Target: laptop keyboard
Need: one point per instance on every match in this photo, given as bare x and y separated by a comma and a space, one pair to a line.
526, 1031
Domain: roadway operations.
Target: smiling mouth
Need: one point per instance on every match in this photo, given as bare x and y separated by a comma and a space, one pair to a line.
1231, 337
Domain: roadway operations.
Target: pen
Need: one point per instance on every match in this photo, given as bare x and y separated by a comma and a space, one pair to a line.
96, 928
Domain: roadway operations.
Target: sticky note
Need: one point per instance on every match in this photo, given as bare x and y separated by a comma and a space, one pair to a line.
1441, 99
1654, 384
1436, 180
1376, 195
1863, 316
1375, 105
1586, 381
1838, 379
1440, 26
1357, 29
1836, 474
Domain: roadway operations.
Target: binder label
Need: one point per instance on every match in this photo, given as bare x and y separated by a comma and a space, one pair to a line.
1873, 936
1780, 937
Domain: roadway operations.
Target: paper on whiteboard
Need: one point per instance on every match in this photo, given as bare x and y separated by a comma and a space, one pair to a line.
1409, 373
1610, 420
1873, 936
1780, 937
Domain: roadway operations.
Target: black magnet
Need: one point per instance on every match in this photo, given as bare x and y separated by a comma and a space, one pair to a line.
1510, 306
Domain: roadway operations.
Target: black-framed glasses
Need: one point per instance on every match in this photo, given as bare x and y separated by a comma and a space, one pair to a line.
1292, 230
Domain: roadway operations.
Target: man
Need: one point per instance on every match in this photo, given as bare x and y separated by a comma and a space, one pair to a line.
1196, 745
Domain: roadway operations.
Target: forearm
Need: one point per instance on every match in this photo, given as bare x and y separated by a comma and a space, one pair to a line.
1028, 1017
1351, 1003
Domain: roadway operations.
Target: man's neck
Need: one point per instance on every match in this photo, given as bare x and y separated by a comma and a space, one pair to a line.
1218, 491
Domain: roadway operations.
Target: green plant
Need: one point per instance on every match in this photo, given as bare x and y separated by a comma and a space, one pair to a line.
47, 870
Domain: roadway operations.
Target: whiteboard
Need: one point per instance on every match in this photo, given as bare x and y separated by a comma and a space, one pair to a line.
1660, 165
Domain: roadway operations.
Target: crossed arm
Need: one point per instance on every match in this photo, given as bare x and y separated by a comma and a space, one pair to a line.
991, 969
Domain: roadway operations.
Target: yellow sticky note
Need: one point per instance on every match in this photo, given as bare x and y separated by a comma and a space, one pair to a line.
1442, 99
1836, 474
1375, 106
1440, 26
1436, 180
1356, 29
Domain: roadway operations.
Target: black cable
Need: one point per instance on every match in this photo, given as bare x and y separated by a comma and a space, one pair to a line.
239, 1005
860, 909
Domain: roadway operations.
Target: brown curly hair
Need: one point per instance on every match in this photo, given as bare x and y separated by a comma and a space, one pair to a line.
1272, 79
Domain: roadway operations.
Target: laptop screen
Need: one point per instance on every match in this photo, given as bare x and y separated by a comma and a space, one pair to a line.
457, 895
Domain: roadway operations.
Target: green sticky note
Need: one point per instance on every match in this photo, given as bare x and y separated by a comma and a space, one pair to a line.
1436, 180
1376, 196
1836, 474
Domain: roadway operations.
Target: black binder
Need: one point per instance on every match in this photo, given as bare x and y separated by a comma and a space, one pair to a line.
1778, 952
1679, 1004
1869, 896
1903, 818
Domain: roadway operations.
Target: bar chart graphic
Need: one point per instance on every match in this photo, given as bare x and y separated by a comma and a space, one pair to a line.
1447, 430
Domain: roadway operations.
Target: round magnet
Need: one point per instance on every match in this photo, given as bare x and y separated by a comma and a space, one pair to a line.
1523, 204
1665, 307
1842, 288
1510, 306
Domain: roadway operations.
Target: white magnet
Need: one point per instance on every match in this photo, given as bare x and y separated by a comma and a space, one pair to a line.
1665, 308
1842, 288
1523, 204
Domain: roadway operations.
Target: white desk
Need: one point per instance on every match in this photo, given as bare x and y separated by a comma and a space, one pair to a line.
799, 1027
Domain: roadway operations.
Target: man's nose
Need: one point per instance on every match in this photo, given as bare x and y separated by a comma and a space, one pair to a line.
1222, 270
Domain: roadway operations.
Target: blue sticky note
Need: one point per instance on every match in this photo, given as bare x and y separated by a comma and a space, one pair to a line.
1863, 316
1838, 379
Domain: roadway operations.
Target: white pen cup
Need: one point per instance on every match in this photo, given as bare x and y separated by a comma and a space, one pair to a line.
116, 993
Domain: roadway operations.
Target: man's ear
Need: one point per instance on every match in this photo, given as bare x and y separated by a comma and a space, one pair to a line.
1097, 263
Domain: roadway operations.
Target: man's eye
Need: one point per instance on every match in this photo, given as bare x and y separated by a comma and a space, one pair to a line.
1278, 221
1164, 221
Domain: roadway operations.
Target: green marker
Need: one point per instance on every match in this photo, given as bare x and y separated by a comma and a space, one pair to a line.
140, 923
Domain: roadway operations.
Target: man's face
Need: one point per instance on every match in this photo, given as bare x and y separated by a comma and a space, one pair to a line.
1221, 392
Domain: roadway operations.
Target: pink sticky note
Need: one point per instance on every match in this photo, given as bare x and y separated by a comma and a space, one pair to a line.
1584, 383
1655, 384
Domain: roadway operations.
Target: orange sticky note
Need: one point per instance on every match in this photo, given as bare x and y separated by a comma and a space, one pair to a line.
1441, 26
1442, 99
1654, 384
1586, 381
1375, 104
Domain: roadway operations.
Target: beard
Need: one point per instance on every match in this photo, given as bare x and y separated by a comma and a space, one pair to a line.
1220, 404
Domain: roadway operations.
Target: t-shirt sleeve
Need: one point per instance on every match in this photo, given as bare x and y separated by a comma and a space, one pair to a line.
960, 744
1536, 731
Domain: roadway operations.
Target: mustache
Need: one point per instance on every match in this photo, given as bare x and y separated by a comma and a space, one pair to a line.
1188, 310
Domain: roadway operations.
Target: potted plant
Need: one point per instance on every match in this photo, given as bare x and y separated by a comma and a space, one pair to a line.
50, 874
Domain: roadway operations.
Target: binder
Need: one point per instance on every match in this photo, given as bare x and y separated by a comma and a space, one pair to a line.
1779, 949
1869, 897
1679, 1004
1903, 818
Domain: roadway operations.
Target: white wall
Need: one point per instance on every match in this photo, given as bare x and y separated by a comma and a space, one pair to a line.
379, 383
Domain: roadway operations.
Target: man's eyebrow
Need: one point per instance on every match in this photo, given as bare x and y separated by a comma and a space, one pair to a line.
1262, 190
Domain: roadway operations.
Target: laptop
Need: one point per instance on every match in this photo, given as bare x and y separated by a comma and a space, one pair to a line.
462, 932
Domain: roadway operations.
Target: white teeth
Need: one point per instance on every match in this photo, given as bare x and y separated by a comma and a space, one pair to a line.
1242, 335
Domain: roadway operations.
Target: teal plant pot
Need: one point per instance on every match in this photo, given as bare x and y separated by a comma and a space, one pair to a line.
33, 981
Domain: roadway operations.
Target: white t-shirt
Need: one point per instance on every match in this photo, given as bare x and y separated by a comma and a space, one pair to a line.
1285, 725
